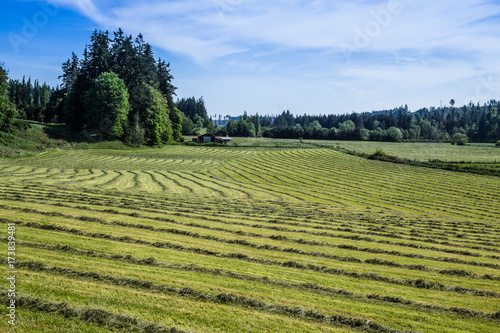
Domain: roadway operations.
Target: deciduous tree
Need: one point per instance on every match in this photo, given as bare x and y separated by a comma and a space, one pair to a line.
107, 106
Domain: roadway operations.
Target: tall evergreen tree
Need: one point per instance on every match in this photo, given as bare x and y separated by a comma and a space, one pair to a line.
165, 81
122, 57
99, 54
70, 72
74, 104
44, 95
36, 94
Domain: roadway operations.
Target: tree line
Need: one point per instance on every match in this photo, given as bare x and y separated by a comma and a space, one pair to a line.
480, 123
32, 100
117, 89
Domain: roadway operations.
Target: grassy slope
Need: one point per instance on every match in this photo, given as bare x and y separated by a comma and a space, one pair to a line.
250, 239
29, 142
28, 139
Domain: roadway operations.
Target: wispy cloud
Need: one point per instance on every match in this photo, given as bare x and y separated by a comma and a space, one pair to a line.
402, 43
86, 7
215, 28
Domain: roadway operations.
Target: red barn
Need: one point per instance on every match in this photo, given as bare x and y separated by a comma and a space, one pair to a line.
205, 138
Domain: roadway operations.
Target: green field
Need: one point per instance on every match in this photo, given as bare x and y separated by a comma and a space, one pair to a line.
251, 239
475, 152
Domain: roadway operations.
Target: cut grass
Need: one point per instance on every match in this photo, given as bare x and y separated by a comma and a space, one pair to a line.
252, 239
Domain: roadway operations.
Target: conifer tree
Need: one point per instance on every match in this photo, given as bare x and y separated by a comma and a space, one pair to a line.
6, 109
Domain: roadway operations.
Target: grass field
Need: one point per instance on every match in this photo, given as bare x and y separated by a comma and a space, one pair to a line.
249, 239
475, 152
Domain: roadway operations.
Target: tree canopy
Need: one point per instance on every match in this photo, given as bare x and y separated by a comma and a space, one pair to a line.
107, 106
474, 121
119, 81
6, 110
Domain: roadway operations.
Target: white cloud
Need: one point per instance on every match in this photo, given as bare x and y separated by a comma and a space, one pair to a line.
86, 7
417, 47
211, 29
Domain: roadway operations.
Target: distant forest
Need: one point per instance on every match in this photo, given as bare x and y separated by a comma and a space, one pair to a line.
479, 123
119, 90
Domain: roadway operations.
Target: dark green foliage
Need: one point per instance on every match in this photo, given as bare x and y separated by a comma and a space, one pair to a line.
256, 122
165, 82
187, 125
6, 108
70, 72
74, 104
379, 153
286, 119
21, 125
98, 56
177, 123
195, 110
106, 105
55, 106
156, 118
232, 127
243, 127
394, 134
497, 144
221, 131
145, 82
123, 57
479, 123
210, 127
30, 99
135, 133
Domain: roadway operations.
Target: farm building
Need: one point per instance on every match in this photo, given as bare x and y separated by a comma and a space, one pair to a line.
205, 138
210, 138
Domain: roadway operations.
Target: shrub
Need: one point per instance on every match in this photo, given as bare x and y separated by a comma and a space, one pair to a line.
459, 139
497, 144
379, 153
394, 134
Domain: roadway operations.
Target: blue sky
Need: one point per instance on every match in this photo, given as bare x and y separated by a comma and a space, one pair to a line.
268, 56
